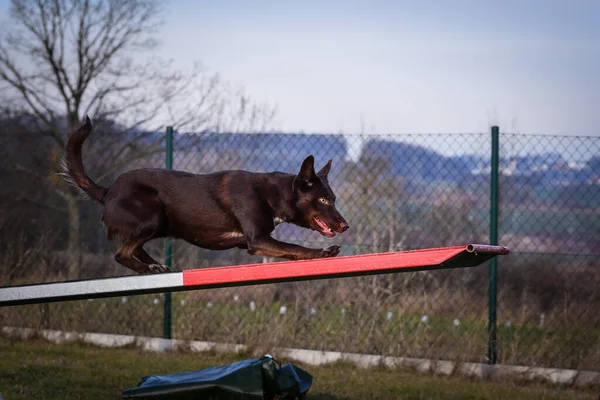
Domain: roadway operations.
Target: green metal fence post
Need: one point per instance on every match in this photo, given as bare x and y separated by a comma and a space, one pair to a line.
168, 249
493, 272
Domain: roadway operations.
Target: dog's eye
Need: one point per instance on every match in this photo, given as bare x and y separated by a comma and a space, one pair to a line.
323, 200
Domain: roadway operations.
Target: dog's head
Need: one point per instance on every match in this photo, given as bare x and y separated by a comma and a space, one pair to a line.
315, 200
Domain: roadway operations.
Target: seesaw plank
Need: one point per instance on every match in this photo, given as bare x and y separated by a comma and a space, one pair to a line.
369, 264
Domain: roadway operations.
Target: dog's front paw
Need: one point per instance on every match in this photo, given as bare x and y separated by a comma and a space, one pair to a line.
158, 268
331, 251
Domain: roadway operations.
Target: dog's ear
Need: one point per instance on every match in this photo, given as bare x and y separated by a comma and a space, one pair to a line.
307, 171
306, 176
324, 171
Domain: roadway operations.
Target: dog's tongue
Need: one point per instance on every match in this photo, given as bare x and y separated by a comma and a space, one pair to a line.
324, 228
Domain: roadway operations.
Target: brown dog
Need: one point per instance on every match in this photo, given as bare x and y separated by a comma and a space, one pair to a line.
215, 211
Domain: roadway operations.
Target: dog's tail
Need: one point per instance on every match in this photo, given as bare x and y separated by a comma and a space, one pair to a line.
72, 165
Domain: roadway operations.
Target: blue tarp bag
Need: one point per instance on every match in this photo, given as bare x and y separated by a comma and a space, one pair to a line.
253, 379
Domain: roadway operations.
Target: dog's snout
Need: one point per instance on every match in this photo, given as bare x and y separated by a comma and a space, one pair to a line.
344, 226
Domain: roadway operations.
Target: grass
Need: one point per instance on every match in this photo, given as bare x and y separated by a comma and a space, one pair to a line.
360, 329
38, 370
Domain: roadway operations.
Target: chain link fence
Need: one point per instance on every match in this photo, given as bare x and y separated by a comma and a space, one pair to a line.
548, 287
398, 192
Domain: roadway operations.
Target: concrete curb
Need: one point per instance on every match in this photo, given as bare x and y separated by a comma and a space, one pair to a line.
565, 377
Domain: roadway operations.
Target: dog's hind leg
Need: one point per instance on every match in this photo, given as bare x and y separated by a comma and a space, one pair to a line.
128, 255
136, 219
131, 253
124, 256
144, 257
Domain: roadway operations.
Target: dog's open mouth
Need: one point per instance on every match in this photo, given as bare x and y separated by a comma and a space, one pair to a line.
323, 228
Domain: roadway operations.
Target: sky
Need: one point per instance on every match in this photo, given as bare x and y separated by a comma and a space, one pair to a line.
429, 66
530, 66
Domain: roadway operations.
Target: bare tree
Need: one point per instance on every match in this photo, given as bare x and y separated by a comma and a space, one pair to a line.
64, 59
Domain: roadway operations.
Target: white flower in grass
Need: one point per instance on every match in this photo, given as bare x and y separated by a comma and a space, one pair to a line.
155, 300
123, 300
183, 302
209, 304
313, 311
236, 298
425, 319
282, 310
508, 324
252, 306
390, 316
456, 322
343, 311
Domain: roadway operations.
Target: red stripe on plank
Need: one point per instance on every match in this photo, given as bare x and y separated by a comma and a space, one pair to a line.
320, 266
